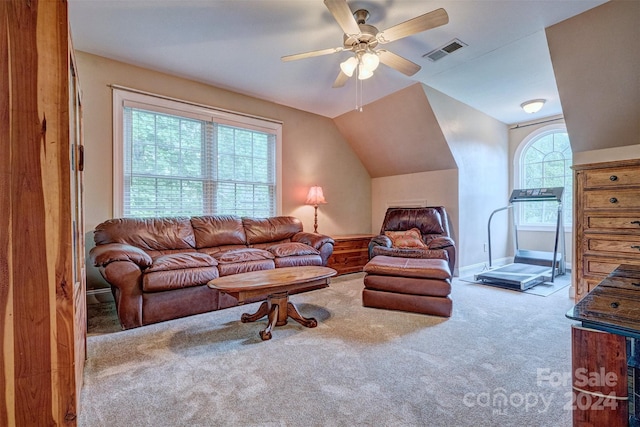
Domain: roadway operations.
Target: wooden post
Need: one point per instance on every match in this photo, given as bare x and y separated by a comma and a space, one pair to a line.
40, 292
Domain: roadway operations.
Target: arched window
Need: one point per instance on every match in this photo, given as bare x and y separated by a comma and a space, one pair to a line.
545, 160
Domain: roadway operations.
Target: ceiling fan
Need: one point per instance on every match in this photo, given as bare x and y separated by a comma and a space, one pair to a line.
362, 39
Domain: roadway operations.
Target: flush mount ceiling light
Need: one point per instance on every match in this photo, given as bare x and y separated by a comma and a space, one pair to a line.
533, 106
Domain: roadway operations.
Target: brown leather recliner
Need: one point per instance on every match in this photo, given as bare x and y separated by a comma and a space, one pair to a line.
433, 224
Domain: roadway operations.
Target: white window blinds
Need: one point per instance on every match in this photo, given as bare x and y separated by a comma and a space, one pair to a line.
185, 163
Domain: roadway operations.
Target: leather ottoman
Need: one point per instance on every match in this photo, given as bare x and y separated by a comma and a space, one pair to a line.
408, 284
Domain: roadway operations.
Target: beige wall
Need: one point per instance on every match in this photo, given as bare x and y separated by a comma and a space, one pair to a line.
313, 151
596, 61
436, 188
479, 144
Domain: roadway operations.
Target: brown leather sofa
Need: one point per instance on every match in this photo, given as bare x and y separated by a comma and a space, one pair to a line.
433, 225
158, 268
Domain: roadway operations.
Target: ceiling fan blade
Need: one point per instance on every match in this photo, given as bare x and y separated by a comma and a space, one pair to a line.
418, 24
397, 62
343, 15
311, 54
340, 80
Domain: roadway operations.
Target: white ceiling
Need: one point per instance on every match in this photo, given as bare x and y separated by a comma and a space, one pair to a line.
237, 45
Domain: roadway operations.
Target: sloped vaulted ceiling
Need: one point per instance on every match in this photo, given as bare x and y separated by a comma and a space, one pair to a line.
397, 135
596, 62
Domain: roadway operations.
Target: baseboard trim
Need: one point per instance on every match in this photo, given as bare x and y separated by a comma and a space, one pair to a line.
468, 270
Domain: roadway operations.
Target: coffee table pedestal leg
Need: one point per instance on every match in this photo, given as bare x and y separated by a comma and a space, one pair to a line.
278, 309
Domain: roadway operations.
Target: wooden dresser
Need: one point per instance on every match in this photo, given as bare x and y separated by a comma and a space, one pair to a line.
607, 217
350, 253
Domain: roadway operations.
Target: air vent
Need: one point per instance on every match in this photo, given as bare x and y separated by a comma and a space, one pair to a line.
445, 50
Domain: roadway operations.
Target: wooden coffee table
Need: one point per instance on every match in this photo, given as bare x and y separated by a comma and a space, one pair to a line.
276, 284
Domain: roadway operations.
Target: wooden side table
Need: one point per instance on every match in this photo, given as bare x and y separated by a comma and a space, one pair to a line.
350, 253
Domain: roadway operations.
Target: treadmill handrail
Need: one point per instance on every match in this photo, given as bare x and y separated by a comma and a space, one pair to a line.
489, 228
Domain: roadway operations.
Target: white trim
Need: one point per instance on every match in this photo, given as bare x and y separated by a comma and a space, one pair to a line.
421, 203
123, 96
469, 270
194, 104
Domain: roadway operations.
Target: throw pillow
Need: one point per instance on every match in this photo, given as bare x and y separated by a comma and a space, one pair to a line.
405, 239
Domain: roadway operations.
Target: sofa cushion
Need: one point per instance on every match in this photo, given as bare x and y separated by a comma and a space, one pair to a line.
292, 249
298, 261
158, 281
245, 267
406, 239
242, 255
408, 267
219, 230
150, 234
181, 261
274, 229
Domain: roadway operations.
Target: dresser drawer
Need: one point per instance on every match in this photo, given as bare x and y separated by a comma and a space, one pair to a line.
350, 253
612, 223
612, 177
612, 199
629, 245
599, 266
585, 286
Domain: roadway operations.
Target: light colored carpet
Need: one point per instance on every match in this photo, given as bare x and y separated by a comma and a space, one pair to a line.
487, 365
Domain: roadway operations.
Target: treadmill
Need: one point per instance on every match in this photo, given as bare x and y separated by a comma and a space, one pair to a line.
529, 268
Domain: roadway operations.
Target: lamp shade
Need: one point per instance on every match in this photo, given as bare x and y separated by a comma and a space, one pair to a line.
315, 196
533, 106
364, 73
349, 66
370, 61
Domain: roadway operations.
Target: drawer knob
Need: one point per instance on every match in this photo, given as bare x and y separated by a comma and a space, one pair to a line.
635, 222
615, 305
636, 247
635, 284
613, 200
613, 178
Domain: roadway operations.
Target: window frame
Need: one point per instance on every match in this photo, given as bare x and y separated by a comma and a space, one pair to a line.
517, 176
127, 97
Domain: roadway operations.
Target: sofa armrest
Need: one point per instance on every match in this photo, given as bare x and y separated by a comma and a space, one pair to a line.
312, 239
102, 255
380, 240
324, 244
125, 279
440, 243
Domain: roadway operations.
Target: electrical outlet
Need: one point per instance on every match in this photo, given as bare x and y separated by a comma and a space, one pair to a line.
484, 247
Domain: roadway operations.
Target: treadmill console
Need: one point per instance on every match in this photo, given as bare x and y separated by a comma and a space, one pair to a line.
537, 194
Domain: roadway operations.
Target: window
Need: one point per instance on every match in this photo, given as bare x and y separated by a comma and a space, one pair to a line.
545, 161
173, 158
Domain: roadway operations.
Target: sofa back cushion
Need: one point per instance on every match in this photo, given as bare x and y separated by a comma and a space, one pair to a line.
149, 234
427, 220
274, 229
218, 230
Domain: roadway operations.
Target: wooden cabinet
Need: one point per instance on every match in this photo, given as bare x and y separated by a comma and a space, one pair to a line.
350, 253
607, 217
42, 273
605, 350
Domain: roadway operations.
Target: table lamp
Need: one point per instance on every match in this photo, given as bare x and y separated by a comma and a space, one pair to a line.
315, 198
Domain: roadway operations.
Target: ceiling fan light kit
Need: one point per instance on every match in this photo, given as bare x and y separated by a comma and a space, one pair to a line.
533, 106
362, 39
